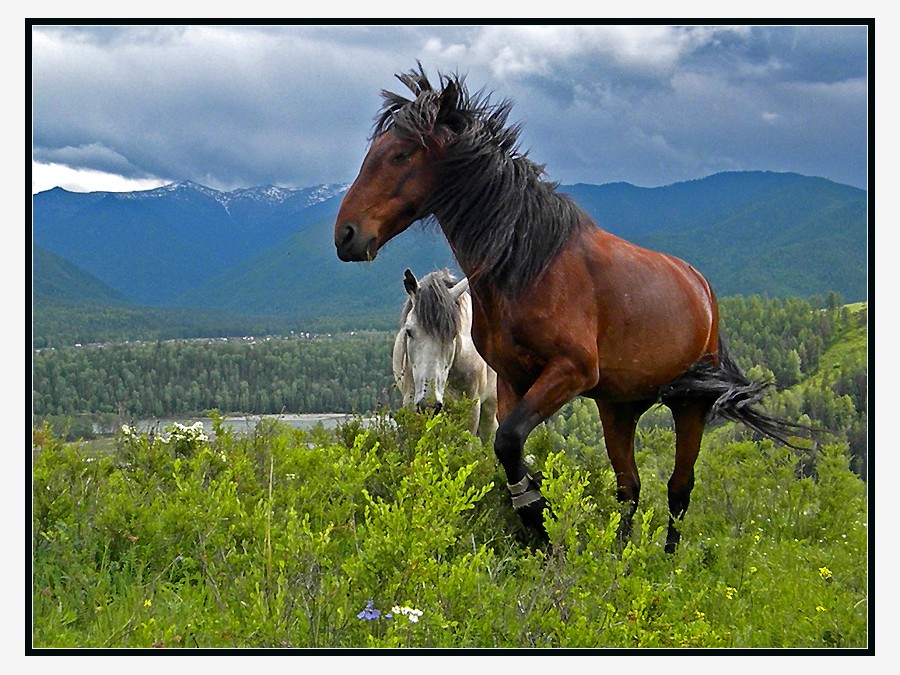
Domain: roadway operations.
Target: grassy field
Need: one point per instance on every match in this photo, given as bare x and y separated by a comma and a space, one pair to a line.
399, 534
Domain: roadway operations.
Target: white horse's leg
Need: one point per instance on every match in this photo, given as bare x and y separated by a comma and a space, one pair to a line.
487, 423
475, 418
488, 419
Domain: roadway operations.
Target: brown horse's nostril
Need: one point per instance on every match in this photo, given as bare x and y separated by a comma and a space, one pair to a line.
346, 234
353, 244
346, 242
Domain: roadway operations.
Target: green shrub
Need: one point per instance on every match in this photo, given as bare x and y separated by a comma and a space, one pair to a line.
286, 538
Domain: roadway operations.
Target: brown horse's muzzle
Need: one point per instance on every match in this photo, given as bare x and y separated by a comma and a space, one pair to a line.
352, 244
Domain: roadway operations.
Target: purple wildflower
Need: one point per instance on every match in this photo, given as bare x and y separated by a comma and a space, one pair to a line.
369, 613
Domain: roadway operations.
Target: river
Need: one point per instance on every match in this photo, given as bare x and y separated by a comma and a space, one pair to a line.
247, 423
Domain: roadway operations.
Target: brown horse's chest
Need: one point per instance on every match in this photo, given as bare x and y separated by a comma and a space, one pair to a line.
518, 366
506, 348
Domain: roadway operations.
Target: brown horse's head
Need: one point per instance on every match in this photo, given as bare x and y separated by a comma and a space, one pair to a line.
399, 173
396, 178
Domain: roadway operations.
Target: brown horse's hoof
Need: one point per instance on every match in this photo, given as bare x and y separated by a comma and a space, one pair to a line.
672, 539
532, 517
529, 503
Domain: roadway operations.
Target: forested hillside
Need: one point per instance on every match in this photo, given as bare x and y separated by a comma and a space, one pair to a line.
814, 351
345, 373
60, 324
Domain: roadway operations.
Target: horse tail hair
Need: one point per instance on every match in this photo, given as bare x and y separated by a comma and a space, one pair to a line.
734, 397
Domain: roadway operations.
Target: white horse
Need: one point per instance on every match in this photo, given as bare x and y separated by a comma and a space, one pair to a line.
434, 353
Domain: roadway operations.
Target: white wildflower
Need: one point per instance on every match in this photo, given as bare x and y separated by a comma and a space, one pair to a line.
410, 613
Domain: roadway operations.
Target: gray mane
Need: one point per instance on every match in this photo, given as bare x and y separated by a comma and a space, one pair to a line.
436, 311
504, 222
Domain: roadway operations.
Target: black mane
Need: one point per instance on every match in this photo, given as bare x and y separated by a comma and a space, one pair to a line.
437, 312
504, 222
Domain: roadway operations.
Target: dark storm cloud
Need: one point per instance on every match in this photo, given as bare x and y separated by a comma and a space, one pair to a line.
293, 105
824, 54
677, 104
227, 106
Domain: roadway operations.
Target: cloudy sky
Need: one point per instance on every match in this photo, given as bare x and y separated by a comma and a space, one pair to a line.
132, 107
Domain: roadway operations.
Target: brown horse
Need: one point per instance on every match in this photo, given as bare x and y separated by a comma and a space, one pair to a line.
639, 326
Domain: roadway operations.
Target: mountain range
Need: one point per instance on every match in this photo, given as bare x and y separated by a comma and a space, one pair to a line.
269, 250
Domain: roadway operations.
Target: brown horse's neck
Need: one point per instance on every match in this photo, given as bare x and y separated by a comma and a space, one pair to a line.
504, 224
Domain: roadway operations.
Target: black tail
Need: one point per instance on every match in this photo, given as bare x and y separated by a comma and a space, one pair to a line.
734, 397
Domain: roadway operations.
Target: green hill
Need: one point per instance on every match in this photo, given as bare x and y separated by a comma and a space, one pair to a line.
303, 278
56, 279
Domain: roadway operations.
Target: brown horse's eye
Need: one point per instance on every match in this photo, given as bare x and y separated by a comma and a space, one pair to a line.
401, 157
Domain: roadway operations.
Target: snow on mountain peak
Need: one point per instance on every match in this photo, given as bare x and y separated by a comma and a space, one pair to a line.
266, 194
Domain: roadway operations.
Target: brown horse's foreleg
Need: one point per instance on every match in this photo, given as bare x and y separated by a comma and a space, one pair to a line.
619, 424
690, 420
524, 491
560, 382
506, 400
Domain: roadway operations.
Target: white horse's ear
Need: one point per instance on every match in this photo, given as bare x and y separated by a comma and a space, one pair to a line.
459, 289
410, 283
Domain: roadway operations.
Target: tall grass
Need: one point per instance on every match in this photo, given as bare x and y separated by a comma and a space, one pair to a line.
285, 538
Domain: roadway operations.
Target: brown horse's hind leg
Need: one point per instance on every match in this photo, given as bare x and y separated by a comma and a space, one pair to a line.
619, 423
690, 420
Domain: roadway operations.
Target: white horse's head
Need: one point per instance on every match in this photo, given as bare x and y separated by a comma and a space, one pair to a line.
430, 329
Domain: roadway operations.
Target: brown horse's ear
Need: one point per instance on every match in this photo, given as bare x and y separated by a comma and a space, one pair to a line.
448, 101
410, 283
